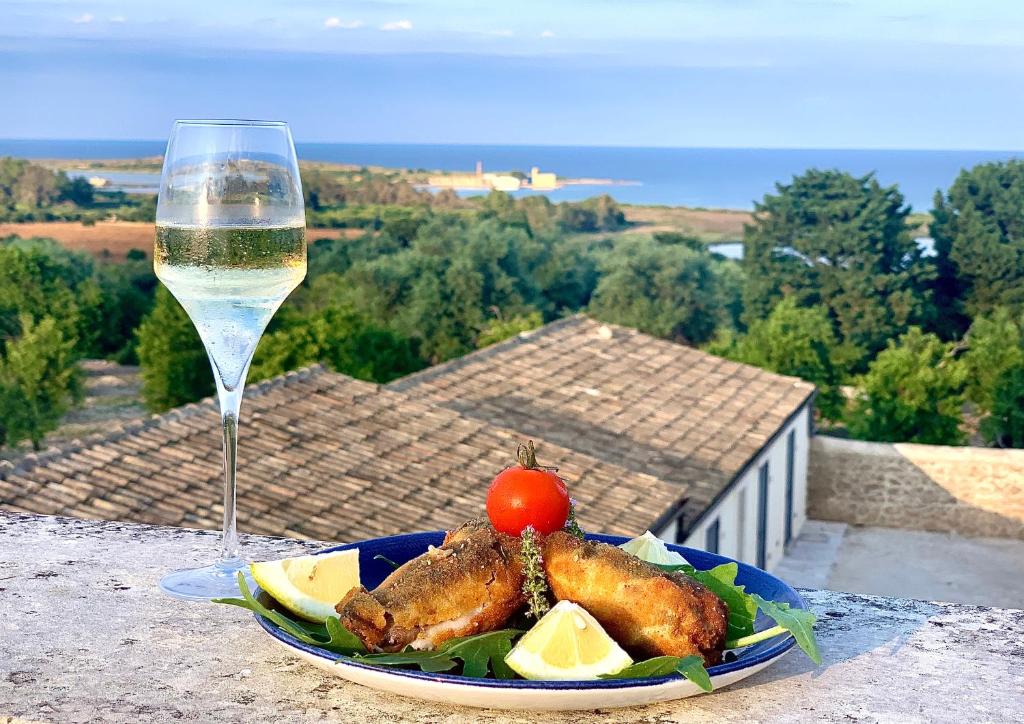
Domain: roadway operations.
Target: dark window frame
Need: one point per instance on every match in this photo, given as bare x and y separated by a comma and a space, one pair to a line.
712, 536
790, 482
763, 482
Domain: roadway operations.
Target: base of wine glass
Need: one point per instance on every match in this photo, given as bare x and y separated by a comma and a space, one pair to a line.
219, 580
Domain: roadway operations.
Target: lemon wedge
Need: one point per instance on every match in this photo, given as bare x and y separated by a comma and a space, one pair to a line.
309, 586
652, 549
567, 644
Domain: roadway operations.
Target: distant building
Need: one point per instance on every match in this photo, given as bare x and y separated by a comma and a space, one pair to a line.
648, 435
542, 181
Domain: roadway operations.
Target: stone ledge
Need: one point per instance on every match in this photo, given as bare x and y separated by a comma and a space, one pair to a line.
87, 636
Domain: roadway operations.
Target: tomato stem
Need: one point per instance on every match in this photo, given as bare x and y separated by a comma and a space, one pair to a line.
527, 455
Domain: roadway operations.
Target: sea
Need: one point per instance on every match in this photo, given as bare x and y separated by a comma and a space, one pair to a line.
718, 178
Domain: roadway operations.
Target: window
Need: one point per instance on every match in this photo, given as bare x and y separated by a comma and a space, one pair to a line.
762, 516
711, 537
741, 525
680, 538
790, 473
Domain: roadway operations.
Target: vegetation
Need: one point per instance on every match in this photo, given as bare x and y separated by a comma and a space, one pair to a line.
29, 192
978, 229
832, 289
912, 392
843, 242
792, 340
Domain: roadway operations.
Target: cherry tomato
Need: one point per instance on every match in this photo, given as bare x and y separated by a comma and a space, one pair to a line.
527, 495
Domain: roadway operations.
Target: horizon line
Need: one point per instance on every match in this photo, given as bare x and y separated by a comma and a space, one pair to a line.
558, 145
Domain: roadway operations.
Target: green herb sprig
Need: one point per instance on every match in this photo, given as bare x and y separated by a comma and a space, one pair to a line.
572, 527
535, 583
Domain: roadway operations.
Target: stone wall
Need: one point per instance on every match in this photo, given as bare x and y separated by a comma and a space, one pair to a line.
970, 491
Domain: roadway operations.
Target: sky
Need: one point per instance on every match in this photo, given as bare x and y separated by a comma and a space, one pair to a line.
931, 74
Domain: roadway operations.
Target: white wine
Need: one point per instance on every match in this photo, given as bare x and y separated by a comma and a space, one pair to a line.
230, 281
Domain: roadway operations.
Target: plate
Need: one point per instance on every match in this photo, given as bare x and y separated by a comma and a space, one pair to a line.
549, 695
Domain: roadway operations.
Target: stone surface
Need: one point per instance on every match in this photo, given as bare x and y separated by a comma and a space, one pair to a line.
86, 636
809, 559
935, 566
966, 490
906, 563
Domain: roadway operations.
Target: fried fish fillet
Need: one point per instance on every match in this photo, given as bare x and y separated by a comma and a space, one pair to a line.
471, 584
646, 610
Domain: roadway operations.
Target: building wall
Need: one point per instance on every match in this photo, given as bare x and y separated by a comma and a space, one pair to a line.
737, 511
966, 490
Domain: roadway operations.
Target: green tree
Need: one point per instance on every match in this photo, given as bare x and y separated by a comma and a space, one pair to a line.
995, 344
498, 330
442, 289
341, 338
1005, 425
666, 290
175, 368
830, 238
978, 229
912, 392
792, 340
127, 293
39, 381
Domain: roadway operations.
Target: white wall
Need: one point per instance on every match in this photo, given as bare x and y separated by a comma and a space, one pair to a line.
737, 511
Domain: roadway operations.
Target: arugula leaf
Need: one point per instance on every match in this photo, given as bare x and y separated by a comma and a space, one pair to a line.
341, 640
721, 580
743, 608
479, 653
692, 667
332, 635
429, 661
797, 621
658, 666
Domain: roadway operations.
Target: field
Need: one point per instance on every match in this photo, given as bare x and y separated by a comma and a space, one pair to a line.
708, 225
117, 238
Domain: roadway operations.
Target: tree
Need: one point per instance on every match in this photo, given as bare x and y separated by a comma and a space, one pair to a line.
830, 238
341, 338
441, 290
498, 330
994, 364
978, 229
1005, 425
175, 368
912, 392
995, 344
665, 290
798, 341
127, 293
39, 380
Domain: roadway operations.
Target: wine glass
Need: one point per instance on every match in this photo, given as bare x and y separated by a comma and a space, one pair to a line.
230, 246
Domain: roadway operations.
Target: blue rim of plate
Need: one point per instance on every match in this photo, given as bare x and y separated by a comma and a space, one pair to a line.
755, 579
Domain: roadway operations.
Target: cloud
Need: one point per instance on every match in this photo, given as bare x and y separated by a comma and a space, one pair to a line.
333, 22
118, 19
501, 33
83, 19
397, 25
547, 34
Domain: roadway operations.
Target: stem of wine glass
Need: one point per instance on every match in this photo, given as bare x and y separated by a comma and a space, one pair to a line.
230, 405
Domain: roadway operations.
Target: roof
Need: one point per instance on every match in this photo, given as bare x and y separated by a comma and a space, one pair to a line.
617, 395
321, 455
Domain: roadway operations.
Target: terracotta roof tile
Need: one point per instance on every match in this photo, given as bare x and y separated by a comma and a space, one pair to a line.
650, 406
636, 425
321, 455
